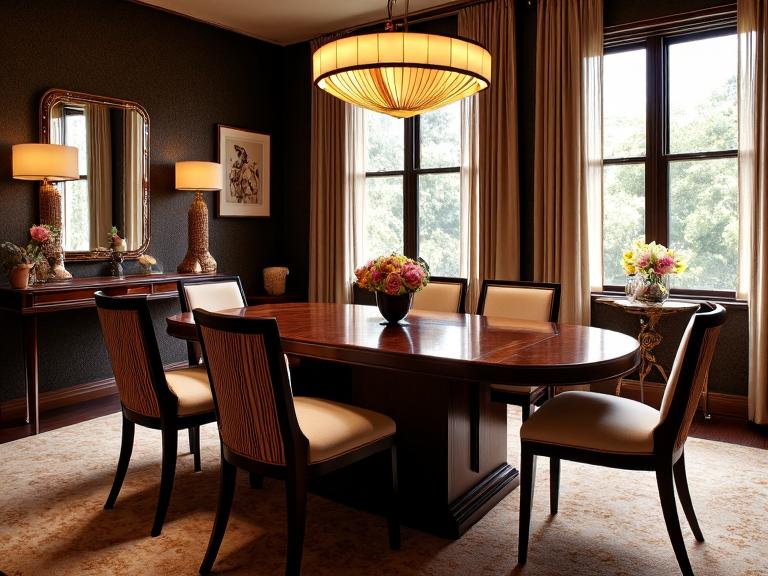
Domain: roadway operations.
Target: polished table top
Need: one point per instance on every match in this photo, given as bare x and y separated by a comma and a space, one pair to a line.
466, 346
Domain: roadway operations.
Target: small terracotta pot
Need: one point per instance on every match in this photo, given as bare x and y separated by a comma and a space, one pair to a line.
18, 276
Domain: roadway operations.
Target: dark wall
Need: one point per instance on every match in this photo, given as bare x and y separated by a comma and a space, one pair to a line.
190, 77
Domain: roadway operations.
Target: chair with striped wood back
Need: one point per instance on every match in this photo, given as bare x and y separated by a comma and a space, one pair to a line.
521, 301
267, 431
150, 396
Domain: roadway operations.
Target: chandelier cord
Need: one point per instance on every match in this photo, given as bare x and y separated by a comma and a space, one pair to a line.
390, 26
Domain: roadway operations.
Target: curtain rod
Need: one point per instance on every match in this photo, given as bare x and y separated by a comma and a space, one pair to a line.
448, 9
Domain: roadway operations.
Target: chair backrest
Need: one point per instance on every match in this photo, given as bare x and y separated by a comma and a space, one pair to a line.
130, 339
521, 300
216, 293
362, 295
688, 375
441, 294
251, 387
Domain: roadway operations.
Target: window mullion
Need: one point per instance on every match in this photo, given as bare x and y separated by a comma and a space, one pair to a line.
410, 187
656, 196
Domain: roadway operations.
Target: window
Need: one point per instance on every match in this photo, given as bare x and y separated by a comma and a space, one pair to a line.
412, 197
670, 147
75, 197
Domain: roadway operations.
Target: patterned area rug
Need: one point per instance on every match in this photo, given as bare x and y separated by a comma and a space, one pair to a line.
53, 486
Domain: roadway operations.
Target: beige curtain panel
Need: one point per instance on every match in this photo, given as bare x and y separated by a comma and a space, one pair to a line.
567, 155
99, 172
490, 171
752, 27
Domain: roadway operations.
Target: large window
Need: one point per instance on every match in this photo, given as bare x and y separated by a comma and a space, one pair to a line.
412, 198
670, 147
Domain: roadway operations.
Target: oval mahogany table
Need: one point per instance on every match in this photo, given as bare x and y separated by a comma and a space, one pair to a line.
431, 373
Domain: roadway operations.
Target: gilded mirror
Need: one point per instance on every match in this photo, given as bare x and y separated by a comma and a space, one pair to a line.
112, 137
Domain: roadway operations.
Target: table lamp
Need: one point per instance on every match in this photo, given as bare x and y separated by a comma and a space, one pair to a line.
198, 177
48, 163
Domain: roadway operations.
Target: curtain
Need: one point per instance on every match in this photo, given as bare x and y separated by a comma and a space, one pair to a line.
99, 172
133, 179
752, 28
336, 190
489, 169
568, 151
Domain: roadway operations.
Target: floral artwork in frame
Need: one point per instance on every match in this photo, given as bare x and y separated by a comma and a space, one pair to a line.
244, 156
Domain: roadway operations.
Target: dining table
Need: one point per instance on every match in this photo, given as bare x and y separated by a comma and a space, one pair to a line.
431, 373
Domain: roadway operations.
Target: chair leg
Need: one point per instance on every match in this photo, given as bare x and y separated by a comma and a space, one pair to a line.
527, 482
170, 446
393, 519
296, 497
681, 481
227, 477
667, 496
126, 449
527, 409
554, 484
255, 480
194, 445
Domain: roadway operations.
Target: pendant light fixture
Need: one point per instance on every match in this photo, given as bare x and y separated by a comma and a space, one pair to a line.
401, 73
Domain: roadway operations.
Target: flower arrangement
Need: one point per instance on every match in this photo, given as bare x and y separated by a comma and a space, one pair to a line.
394, 274
650, 264
114, 240
147, 262
13, 255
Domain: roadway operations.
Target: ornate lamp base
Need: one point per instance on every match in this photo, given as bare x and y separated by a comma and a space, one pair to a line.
198, 259
50, 213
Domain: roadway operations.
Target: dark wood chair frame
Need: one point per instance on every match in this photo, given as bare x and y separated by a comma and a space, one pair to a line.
667, 461
297, 472
193, 348
539, 394
169, 422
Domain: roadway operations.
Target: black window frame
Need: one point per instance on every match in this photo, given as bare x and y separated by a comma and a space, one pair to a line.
655, 37
410, 175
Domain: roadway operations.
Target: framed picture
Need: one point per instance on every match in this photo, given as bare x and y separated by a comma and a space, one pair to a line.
244, 157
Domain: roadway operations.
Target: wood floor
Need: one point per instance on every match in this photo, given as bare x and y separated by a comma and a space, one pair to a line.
718, 428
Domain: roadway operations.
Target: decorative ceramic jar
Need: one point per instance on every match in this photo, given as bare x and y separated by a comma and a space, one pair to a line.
394, 308
274, 280
18, 276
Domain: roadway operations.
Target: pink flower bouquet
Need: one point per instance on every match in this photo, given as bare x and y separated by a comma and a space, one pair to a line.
394, 275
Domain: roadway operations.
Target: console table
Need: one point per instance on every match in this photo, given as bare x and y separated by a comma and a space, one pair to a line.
68, 295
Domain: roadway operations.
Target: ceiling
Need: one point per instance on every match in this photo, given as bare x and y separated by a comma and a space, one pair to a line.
289, 21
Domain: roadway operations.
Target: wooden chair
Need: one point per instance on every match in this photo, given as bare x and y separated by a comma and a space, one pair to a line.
266, 430
166, 401
362, 296
213, 294
620, 433
441, 294
523, 301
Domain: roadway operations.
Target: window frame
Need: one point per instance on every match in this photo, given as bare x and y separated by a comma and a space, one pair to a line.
656, 37
410, 176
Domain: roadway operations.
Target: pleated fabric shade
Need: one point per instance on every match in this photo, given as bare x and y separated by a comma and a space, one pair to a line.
401, 73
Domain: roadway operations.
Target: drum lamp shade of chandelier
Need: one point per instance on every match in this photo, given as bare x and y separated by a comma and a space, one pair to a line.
401, 73
48, 163
198, 177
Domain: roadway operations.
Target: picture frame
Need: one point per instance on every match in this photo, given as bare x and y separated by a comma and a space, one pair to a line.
245, 161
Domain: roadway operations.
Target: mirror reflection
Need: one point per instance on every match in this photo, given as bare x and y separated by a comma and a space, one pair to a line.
112, 137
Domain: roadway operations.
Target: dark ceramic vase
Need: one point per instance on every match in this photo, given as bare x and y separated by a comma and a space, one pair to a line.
394, 308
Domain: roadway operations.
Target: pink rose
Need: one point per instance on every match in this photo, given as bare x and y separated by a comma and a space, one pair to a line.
40, 234
643, 260
377, 276
412, 276
392, 284
664, 265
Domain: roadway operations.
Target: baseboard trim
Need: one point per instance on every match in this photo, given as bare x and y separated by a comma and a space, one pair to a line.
14, 412
719, 404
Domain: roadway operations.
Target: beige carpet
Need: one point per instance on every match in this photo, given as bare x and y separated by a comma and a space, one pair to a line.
53, 486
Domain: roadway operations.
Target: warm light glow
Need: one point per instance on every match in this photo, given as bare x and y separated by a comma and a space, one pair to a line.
195, 176
401, 73
45, 161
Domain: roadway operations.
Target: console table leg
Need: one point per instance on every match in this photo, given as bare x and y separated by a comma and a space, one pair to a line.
30, 360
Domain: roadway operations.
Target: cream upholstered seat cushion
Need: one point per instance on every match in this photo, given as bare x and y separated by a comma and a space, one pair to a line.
524, 303
438, 296
333, 428
191, 387
593, 421
214, 296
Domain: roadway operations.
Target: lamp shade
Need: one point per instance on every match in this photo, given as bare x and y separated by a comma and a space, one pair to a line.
401, 73
194, 175
45, 161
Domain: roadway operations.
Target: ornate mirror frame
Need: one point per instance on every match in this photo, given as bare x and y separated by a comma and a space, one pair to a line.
56, 96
